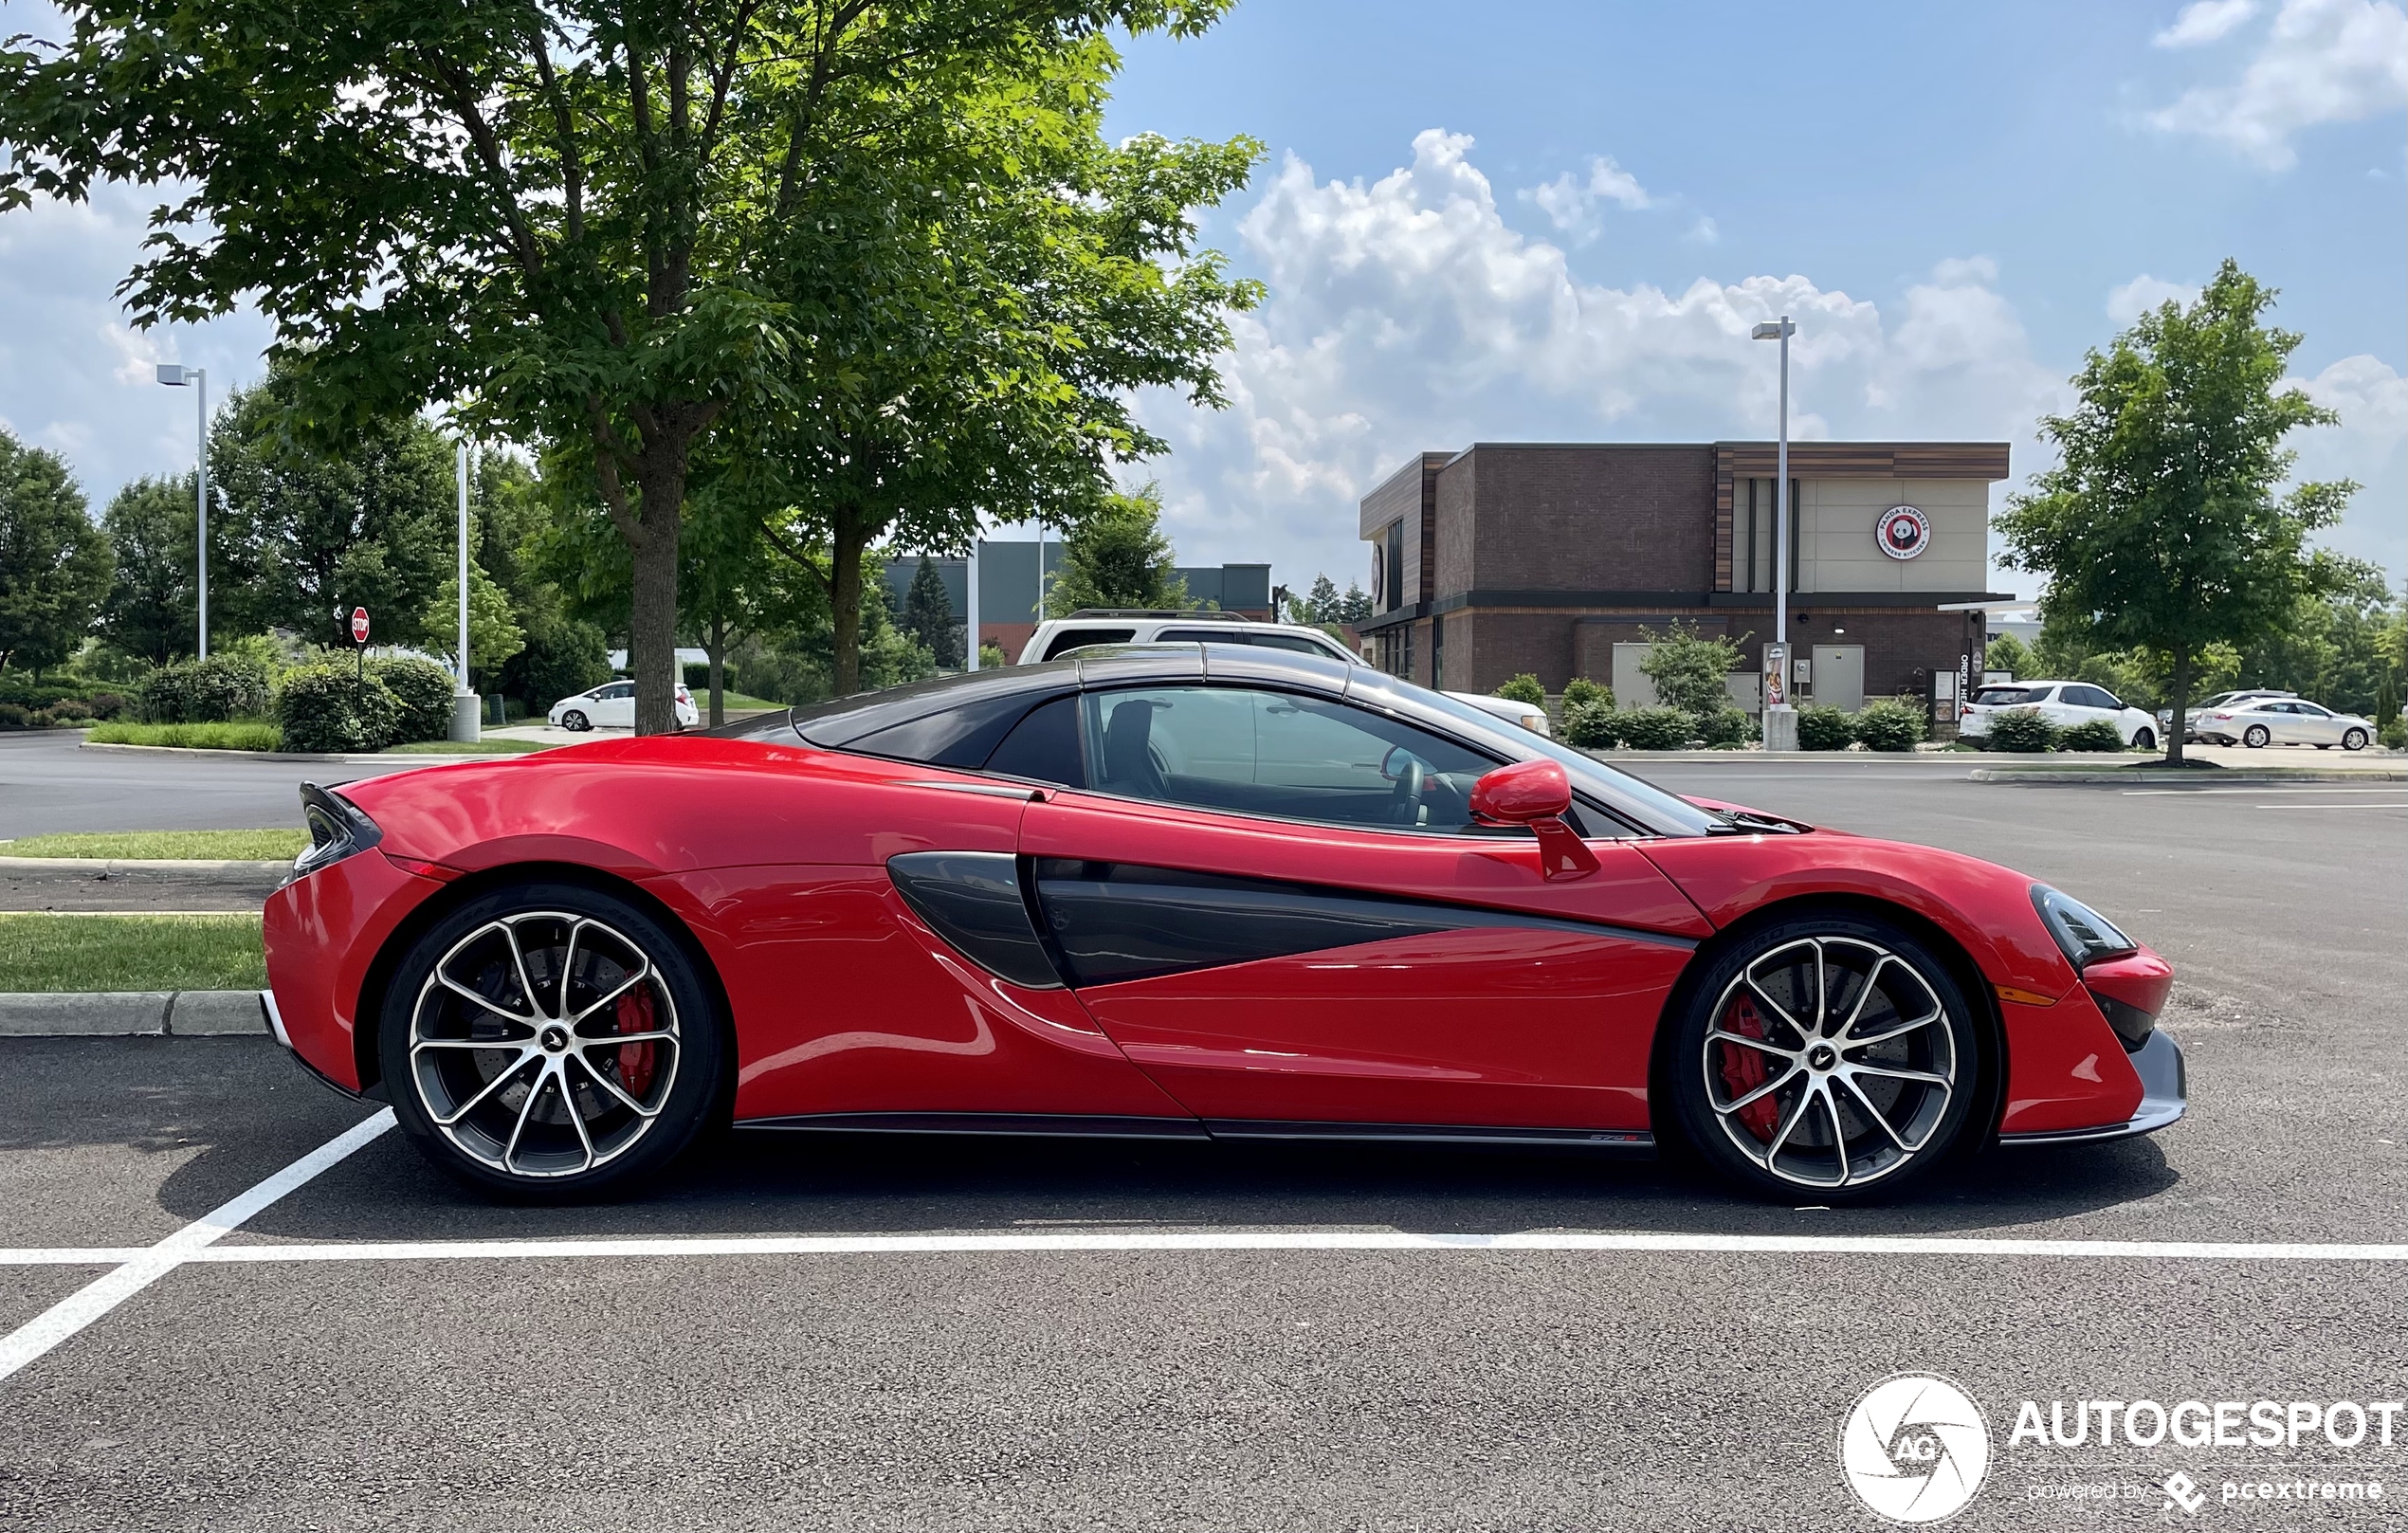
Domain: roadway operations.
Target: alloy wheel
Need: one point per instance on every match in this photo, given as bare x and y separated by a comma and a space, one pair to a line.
1830, 1062
2255, 736
545, 1044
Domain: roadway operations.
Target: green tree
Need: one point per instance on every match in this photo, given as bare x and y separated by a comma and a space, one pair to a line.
1353, 607
735, 589
1317, 605
304, 529
54, 564
1118, 558
494, 633
2159, 528
1688, 668
927, 616
2006, 652
576, 221
151, 612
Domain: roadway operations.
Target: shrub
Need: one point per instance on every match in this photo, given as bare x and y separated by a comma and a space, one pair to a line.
1657, 729
13, 716
2091, 735
1824, 729
105, 705
561, 659
1591, 727
422, 696
1579, 691
1524, 689
191, 737
1689, 672
215, 690
2021, 729
1890, 724
328, 708
2394, 734
1725, 727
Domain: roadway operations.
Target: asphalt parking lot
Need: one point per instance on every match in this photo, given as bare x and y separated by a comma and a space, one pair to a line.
777, 1338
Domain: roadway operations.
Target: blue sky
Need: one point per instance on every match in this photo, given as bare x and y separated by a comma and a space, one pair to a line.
1556, 222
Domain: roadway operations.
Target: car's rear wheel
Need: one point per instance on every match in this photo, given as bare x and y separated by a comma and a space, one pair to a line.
2255, 736
576, 722
1830, 1055
2354, 739
550, 1040
2145, 740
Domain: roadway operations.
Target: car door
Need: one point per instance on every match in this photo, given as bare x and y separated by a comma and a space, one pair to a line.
1276, 905
2315, 725
2080, 704
615, 705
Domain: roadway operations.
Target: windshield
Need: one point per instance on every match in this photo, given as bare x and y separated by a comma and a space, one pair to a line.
1632, 796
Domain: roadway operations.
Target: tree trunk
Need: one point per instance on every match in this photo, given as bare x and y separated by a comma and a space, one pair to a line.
2180, 700
844, 597
652, 623
715, 637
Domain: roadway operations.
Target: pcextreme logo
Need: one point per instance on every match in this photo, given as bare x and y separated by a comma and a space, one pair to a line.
1915, 1449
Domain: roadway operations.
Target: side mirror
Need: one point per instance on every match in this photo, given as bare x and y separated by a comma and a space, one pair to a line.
1536, 793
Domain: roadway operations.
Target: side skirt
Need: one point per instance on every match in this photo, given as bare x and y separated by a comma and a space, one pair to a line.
1075, 1125
1624, 1141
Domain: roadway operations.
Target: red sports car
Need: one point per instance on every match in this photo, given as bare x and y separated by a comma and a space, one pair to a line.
1181, 892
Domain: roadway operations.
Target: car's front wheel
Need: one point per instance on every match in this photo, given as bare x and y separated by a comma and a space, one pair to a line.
1830, 1055
576, 722
2255, 736
2145, 740
550, 1040
2354, 739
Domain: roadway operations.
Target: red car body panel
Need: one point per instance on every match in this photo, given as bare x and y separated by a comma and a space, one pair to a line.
846, 1001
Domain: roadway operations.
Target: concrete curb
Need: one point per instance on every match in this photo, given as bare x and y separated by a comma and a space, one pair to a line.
429, 759
137, 1014
2227, 776
110, 866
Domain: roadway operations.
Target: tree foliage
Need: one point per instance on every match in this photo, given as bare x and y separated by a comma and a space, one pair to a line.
1118, 558
2161, 528
151, 612
54, 564
620, 229
1688, 668
928, 616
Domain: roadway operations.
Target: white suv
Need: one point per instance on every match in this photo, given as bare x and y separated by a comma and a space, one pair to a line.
1057, 636
2063, 704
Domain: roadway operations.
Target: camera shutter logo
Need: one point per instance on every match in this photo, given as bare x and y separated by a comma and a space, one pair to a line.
1915, 1449
1903, 532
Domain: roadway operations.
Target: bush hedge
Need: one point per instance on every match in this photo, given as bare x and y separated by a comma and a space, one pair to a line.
218, 690
2023, 730
1591, 727
328, 707
1824, 729
1890, 724
1580, 692
2091, 735
243, 737
1657, 728
2394, 734
1524, 689
1726, 727
422, 697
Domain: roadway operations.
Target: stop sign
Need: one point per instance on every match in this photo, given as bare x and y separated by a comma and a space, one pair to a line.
359, 625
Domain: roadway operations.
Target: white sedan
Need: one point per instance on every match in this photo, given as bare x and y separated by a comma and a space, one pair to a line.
2284, 722
2063, 704
611, 705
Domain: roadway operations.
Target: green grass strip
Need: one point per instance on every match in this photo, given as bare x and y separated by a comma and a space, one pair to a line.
190, 736
207, 846
502, 745
44, 952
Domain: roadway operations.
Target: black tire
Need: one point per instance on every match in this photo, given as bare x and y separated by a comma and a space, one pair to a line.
576, 722
2354, 739
2145, 740
2255, 736
1771, 1126
547, 1098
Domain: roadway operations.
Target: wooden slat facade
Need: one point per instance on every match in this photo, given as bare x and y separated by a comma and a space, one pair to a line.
1735, 461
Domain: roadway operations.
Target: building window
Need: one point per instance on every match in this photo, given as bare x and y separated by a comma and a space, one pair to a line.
1752, 556
1438, 652
1393, 570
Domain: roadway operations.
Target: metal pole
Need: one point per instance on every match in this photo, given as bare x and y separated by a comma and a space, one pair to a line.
1781, 513
463, 476
1040, 606
970, 585
200, 436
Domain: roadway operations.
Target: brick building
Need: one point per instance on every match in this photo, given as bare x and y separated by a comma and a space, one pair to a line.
1557, 560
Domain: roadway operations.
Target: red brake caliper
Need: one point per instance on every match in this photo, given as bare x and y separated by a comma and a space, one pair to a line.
636, 1059
1743, 1069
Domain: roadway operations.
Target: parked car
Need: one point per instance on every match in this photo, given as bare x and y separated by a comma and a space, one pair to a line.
1512, 710
611, 705
1057, 636
2284, 720
1181, 892
2191, 717
2063, 704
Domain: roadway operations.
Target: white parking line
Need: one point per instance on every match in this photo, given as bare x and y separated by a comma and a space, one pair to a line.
147, 1264
2403, 805
1210, 1240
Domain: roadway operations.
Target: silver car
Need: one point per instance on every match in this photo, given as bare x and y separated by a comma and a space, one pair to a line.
2284, 722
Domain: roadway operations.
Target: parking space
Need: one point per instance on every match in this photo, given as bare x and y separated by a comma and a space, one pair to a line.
764, 1340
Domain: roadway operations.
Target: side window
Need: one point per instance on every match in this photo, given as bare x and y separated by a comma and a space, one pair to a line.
1231, 634
616, 690
1278, 754
1290, 641
2309, 710
1044, 747
2090, 697
1080, 638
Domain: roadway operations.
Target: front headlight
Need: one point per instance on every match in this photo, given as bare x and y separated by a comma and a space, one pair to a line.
338, 829
2084, 935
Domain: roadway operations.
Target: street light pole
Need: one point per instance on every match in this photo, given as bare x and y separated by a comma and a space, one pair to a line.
969, 592
177, 377
1781, 718
464, 723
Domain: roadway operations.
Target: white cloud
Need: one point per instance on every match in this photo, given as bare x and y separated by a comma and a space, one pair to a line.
2323, 61
2369, 446
1704, 232
1573, 205
1406, 315
2144, 293
2205, 21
